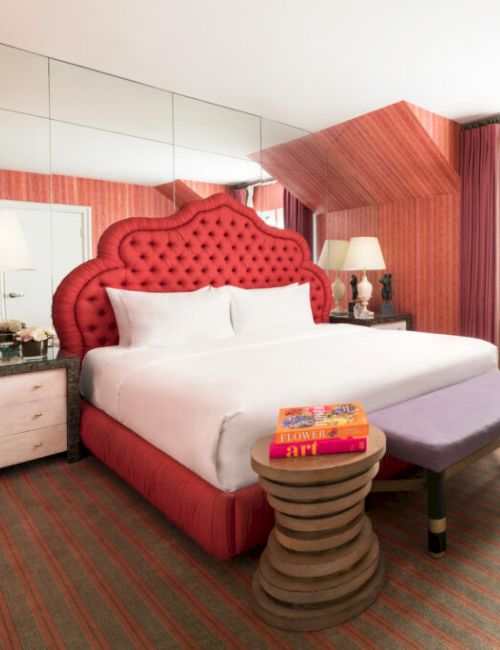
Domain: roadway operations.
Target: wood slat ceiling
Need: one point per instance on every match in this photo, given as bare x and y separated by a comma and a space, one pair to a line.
392, 154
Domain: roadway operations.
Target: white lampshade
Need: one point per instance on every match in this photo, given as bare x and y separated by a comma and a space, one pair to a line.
14, 251
333, 254
364, 253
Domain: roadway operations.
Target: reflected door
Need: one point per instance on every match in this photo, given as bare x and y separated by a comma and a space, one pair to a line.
59, 240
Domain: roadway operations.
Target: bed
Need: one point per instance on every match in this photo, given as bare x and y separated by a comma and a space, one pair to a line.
205, 485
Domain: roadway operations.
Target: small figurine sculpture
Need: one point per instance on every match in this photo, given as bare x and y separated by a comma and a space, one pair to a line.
386, 308
386, 281
354, 287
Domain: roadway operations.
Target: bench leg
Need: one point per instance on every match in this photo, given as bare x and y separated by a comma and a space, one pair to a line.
436, 513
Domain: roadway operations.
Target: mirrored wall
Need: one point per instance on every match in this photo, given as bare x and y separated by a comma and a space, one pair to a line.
80, 149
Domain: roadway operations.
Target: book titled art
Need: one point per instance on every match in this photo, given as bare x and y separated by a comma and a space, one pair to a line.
317, 447
328, 422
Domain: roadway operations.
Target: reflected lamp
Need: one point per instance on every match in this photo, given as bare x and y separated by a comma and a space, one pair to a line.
14, 252
332, 259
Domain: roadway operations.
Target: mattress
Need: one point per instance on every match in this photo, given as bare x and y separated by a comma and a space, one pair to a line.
206, 404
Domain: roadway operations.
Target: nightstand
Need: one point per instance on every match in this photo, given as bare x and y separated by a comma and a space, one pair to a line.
39, 406
381, 322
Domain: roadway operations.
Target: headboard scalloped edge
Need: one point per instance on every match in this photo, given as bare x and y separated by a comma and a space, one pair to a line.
215, 241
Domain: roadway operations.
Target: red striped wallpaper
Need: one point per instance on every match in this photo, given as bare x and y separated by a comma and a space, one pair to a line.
109, 201
268, 197
409, 185
395, 153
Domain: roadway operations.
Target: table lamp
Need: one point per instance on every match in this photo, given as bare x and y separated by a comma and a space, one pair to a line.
14, 252
364, 253
332, 259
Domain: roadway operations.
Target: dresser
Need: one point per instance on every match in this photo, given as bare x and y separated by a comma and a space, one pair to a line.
379, 321
39, 406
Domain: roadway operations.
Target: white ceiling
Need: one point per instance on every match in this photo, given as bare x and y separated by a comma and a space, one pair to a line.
311, 63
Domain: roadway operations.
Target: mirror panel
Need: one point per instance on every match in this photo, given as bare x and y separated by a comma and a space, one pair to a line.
285, 166
112, 149
102, 155
111, 145
86, 97
213, 150
24, 144
24, 81
208, 127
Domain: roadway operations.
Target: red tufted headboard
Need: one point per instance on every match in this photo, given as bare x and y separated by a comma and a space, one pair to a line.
215, 241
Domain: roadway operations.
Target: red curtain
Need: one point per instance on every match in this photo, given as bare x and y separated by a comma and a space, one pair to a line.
479, 218
297, 217
240, 195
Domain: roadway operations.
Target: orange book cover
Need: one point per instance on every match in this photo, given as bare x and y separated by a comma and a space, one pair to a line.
327, 422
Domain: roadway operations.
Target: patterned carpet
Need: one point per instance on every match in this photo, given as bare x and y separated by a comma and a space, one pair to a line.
86, 563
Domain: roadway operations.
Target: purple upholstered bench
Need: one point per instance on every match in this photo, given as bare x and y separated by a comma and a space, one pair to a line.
442, 432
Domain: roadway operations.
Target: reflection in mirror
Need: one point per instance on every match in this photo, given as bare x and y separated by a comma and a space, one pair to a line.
208, 127
115, 176
296, 170
111, 146
24, 83
213, 148
109, 151
25, 189
89, 98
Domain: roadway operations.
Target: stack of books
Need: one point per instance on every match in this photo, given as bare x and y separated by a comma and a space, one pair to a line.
316, 430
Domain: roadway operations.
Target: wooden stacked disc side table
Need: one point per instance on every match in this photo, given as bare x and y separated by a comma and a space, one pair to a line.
322, 565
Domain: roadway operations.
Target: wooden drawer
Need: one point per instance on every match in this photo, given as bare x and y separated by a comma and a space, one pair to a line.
26, 416
395, 325
29, 386
28, 445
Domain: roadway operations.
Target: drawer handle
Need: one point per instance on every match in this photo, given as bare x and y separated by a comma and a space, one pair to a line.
37, 445
37, 415
37, 386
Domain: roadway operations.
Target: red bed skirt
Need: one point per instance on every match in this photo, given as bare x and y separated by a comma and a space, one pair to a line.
225, 524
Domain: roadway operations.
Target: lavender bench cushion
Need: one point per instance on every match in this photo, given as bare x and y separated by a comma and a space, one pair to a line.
436, 430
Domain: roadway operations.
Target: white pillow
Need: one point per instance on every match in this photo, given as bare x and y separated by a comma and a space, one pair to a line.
278, 309
121, 317
163, 319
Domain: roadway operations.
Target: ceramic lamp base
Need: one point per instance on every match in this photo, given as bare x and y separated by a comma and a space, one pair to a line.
338, 293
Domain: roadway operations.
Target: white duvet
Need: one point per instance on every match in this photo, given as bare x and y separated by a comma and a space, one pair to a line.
206, 405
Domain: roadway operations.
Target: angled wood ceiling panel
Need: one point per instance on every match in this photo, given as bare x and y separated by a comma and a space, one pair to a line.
389, 155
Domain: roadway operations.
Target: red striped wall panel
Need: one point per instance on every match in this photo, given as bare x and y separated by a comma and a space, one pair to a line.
443, 132
413, 205
392, 154
420, 241
109, 201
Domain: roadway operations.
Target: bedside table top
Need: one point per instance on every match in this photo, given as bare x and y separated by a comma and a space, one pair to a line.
12, 363
378, 318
